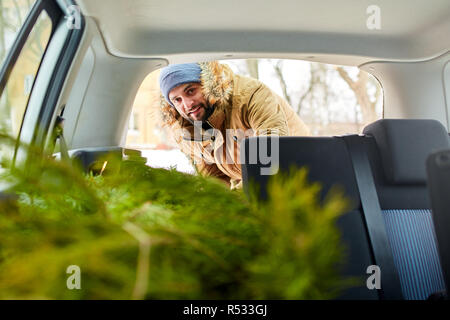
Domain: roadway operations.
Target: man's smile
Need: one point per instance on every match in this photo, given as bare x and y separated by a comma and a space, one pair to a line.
195, 110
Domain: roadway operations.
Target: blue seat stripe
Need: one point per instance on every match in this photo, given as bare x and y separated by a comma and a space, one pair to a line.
436, 267
418, 255
413, 242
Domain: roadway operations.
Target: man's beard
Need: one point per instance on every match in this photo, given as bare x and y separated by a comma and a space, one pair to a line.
208, 112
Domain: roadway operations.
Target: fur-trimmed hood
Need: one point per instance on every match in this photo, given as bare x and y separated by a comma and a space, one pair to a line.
217, 86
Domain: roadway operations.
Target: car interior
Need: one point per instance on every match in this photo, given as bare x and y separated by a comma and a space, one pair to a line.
98, 53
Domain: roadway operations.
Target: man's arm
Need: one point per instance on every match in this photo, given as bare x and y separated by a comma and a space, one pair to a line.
265, 115
193, 152
212, 170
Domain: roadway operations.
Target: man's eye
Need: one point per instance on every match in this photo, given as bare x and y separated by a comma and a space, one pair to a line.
191, 91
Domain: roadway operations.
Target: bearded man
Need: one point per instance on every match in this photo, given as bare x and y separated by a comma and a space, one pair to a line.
211, 110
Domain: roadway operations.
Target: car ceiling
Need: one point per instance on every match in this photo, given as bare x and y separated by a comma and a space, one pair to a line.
411, 30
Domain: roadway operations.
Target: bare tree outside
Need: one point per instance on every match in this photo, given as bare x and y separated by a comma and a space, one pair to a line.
360, 88
330, 99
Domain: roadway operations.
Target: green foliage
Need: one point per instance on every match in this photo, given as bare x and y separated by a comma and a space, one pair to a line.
139, 232
301, 241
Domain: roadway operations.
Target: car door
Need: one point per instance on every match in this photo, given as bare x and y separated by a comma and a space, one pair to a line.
34, 71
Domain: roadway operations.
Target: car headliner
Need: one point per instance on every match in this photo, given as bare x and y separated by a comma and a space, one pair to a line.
322, 30
125, 40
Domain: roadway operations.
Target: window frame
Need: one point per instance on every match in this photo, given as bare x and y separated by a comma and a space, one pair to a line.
55, 10
23, 34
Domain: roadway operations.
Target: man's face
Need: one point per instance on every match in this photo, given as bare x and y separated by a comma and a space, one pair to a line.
189, 101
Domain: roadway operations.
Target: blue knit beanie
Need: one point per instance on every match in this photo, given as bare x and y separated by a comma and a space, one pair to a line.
175, 74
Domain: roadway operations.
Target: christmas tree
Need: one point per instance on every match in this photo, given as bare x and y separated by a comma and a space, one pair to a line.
137, 232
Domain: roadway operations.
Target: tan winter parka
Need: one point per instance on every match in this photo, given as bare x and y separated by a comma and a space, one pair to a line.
244, 107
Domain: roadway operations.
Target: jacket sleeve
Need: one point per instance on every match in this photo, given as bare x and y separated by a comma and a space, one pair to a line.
211, 170
193, 153
202, 167
264, 113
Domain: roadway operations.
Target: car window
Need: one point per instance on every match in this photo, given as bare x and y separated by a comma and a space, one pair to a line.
330, 99
14, 98
12, 17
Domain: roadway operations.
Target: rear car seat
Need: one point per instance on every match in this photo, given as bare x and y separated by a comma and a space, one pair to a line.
398, 154
329, 163
412, 270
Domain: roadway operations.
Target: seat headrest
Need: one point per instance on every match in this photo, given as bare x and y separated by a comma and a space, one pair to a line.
404, 145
